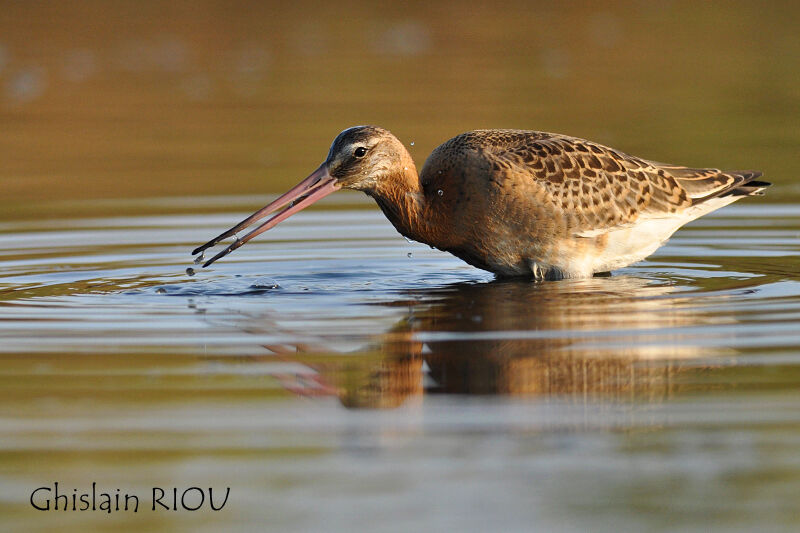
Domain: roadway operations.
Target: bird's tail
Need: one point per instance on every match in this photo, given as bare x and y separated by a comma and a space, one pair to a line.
749, 186
724, 184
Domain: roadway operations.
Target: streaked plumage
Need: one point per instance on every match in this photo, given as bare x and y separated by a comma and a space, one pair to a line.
519, 203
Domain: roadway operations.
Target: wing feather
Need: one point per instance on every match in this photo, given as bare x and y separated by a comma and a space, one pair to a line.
599, 188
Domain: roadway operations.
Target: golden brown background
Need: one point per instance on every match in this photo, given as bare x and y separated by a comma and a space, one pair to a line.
119, 100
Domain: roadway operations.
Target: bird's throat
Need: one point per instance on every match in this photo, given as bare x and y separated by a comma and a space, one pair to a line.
402, 201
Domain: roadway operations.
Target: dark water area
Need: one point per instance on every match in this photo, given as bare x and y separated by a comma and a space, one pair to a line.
337, 377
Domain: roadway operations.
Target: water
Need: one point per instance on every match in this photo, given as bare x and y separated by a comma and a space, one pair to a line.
317, 369
330, 380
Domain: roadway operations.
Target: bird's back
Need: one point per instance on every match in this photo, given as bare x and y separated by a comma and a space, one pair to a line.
565, 205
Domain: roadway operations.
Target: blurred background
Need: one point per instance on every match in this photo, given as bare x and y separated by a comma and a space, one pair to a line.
125, 100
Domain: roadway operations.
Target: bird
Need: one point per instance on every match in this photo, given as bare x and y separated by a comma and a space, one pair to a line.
517, 203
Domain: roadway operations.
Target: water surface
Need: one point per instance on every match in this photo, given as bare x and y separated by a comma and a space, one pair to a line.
330, 366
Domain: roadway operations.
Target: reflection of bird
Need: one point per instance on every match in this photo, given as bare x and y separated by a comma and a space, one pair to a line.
516, 203
610, 338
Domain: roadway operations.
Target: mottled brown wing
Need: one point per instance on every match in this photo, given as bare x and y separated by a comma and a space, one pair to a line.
599, 188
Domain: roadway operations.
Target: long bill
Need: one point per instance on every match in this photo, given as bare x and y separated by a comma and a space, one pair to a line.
315, 187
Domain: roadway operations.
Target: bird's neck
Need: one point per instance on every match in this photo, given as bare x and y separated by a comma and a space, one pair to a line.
402, 201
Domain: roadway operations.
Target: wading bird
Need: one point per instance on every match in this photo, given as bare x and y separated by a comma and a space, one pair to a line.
514, 202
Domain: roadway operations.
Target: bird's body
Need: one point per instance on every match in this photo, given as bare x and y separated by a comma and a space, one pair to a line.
519, 203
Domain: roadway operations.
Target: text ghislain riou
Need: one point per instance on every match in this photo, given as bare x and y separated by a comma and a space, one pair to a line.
161, 499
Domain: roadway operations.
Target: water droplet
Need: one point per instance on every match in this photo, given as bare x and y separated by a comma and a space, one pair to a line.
440, 192
190, 271
199, 258
265, 283
410, 255
412, 143
161, 290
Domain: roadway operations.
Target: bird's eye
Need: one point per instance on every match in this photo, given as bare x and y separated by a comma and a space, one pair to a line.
360, 151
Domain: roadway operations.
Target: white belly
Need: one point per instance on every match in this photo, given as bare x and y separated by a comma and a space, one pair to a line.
624, 246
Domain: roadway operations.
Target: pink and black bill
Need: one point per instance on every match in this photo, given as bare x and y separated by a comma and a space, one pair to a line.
315, 187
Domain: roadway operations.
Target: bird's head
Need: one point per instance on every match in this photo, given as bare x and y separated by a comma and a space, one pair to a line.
363, 158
